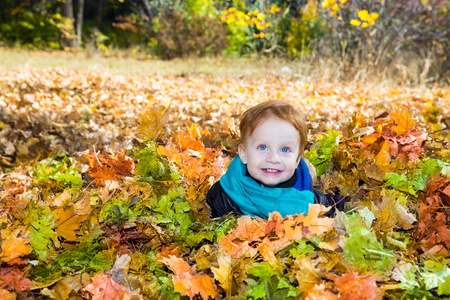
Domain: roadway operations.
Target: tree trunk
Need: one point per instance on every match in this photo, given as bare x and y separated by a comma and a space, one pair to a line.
100, 15
67, 12
79, 21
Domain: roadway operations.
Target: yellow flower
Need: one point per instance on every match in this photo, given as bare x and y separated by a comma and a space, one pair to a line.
364, 25
335, 8
374, 16
261, 16
363, 15
261, 34
268, 24
232, 9
355, 22
256, 35
260, 26
328, 3
343, 1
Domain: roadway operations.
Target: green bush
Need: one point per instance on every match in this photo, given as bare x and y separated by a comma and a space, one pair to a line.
302, 31
178, 36
35, 29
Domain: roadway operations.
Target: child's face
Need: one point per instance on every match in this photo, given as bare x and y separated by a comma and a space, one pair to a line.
271, 153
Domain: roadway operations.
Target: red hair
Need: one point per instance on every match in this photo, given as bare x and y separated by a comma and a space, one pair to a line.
283, 110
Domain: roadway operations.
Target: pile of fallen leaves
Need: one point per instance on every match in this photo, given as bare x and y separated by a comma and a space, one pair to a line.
104, 178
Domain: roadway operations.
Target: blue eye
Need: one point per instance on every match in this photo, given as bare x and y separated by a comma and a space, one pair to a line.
285, 150
262, 147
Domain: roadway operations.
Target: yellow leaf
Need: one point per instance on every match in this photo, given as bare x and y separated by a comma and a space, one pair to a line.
152, 123
383, 157
224, 273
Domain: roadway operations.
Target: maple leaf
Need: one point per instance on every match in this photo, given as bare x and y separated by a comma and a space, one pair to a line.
383, 158
362, 249
6, 295
68, 223
65, 286
321, 152
113, 167
353, 287
42, 234
103, 287
14, 245
319, 292
152, 122
187, 284
237, 243
12, 279
315, 224
17, 182
403, 121
224, 273
306, 273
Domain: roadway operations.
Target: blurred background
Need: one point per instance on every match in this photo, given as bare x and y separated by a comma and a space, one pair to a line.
360, 36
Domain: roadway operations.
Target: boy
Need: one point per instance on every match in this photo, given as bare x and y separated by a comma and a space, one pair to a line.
268, 174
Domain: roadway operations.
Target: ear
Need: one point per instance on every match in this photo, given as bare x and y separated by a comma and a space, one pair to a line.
242, 154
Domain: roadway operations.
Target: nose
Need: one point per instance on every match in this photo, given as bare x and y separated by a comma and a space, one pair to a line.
273, 157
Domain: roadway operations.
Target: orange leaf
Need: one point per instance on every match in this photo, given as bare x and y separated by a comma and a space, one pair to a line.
177, 265
104, 167
103, 287
315, 224
69, 223
187, 284
12, 279
403, 121
318, 292
5, 295
383, 158
193, 285
353, 287
14, 245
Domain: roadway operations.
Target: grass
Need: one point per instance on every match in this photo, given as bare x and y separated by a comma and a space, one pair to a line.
401, 73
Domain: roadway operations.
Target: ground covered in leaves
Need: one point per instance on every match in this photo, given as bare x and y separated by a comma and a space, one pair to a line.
103, 180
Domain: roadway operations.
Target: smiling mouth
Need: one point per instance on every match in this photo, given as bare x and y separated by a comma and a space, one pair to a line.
271, 170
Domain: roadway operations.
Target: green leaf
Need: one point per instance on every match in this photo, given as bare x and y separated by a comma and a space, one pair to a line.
101, 261
270, 283
301, 248
362, 249
321, 152
42, 233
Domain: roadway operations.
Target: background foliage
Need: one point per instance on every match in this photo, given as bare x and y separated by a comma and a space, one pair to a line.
358, 35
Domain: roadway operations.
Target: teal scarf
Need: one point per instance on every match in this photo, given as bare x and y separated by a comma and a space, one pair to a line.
256, 200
